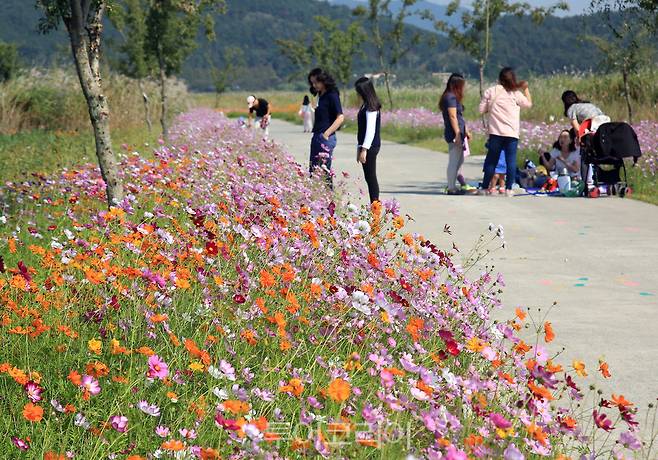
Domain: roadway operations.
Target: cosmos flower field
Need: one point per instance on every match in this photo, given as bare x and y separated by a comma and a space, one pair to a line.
230, 308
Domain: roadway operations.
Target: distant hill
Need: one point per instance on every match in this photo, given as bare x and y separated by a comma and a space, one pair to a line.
439, 12
254, 25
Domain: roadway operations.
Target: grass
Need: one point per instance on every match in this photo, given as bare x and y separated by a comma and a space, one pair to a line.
39, 151
604, 90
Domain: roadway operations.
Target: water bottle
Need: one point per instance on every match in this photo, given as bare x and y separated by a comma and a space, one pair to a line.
564, 181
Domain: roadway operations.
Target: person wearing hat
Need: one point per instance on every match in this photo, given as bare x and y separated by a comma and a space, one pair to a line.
262, 110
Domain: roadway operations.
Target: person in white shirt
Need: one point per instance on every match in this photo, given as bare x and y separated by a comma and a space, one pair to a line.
368, 135
565, 155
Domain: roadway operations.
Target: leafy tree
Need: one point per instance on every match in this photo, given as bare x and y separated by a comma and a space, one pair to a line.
331, 47
8, 61
171, 36
388, 34
627, 51
83, 20
647, 10
129, 19
474, 34
232, 60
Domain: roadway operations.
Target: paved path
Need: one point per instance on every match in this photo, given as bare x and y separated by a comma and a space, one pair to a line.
597, 258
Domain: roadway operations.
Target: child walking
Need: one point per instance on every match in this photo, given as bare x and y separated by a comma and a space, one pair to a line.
498, 179
368, 137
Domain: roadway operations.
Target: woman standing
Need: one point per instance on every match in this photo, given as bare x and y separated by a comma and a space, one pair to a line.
455, 132
328, 118
503, 102
306, 112
368, 137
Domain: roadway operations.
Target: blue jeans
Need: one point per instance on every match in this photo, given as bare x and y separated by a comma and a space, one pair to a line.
322, 151
496, 145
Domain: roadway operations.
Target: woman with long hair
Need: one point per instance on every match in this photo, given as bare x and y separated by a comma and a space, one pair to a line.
577, 111
503, 103
455, 133
328, 118
306, 112
565, 155
368, 134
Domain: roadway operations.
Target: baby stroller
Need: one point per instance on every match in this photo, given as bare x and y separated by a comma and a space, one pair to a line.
604, 151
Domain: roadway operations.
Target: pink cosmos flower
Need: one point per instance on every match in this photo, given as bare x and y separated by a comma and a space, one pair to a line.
22, 444
33, 391
119, 423
162, 431
157, 368
90, 384
500, 421
150, 409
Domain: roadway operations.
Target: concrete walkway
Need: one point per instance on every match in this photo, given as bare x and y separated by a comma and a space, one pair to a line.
597, 258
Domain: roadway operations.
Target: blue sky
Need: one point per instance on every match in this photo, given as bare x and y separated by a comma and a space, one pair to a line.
575, 6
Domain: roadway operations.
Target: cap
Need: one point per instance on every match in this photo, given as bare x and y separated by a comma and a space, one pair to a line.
250, 101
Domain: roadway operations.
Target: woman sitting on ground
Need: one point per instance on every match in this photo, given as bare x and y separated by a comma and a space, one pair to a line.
578, 111
565, 155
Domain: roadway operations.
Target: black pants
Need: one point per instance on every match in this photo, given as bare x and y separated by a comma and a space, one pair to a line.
370, 173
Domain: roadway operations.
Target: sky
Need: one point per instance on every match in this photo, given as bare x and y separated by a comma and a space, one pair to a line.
575, 6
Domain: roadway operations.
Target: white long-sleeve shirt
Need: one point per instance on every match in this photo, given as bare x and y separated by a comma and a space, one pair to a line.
371, 127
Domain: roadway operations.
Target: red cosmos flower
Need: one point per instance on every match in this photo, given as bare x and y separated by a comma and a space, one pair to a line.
239, 298
602, 421
405, 285
227, 424
452, 347
211, 248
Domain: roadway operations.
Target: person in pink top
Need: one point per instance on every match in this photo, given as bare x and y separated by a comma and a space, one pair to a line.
503, 103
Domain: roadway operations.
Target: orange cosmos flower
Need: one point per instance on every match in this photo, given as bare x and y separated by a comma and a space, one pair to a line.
621, 402
339, 390
266, 279
32, 412
603, 368
236, 407
540, 391
579, 367
548, 329
75, 378
520, 313
173, 444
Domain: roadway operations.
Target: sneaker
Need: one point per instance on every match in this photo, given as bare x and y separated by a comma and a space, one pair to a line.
455, 192
468, 188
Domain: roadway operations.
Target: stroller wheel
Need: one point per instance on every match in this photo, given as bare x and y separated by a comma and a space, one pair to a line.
594, 193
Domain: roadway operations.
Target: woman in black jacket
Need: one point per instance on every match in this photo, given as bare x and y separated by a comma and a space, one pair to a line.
368, 137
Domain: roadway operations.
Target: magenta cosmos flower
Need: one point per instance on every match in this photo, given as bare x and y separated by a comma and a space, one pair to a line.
157, 368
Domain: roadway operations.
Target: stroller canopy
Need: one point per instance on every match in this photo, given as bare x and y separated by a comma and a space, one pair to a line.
616, 141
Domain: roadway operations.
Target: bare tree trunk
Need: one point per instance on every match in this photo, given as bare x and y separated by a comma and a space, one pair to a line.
163, 97
85, 45
481, 68
627, 96
147, 109
388, 90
